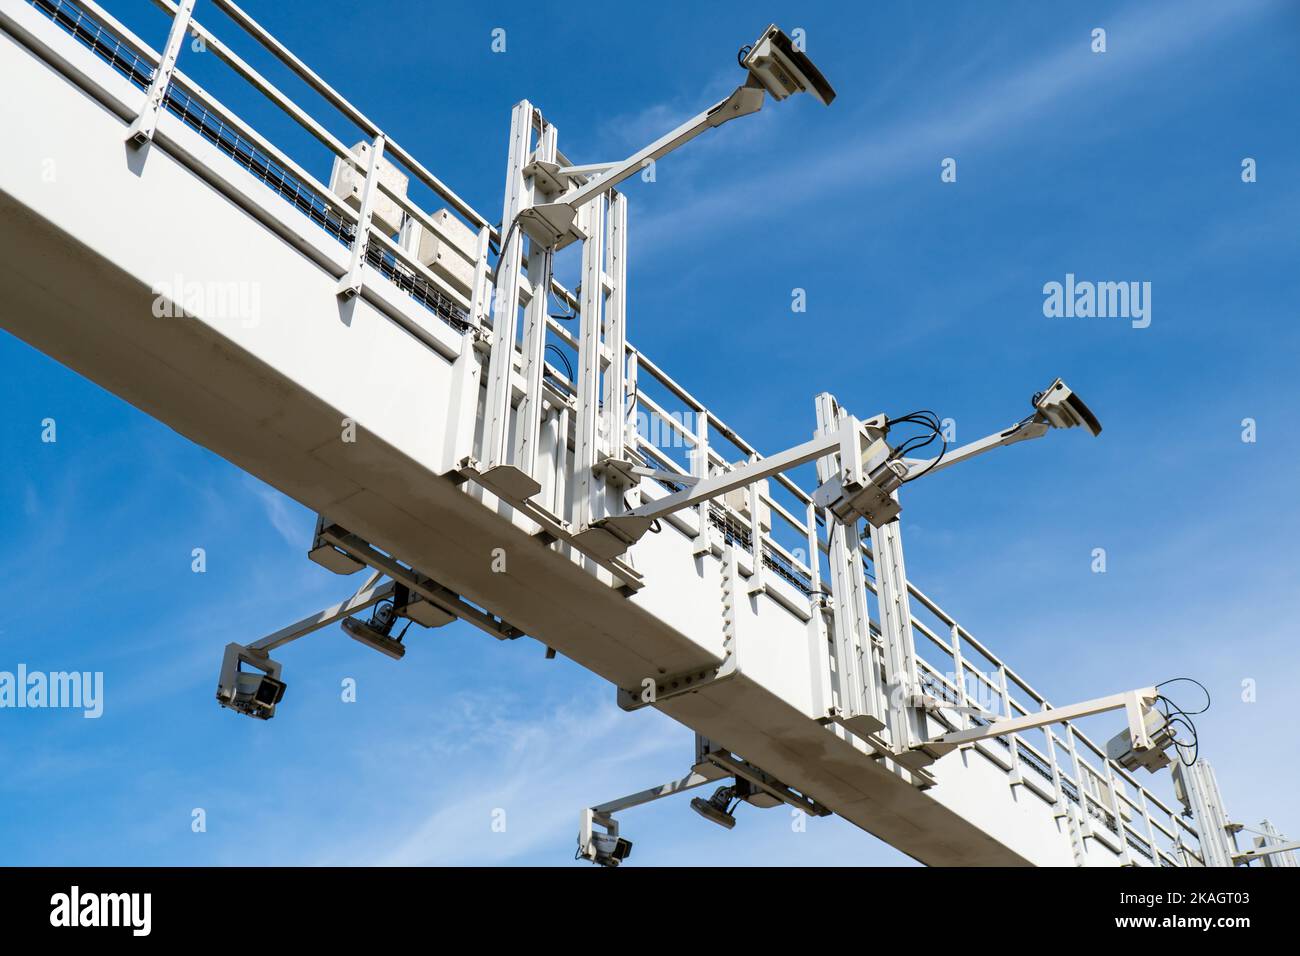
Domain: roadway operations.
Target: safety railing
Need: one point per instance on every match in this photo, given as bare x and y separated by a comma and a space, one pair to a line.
775, 522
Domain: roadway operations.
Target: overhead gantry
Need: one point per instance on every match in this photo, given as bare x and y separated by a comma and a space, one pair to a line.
812, 669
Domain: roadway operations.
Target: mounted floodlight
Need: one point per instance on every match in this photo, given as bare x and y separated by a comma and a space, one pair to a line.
1130, 753
783, 69
774, 65
717, 809
866, 473
377, 631
255, 692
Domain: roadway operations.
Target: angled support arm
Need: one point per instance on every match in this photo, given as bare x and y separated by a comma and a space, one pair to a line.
1021, 431
744, 100
1135, 703
1263, 851
553, 224
614, 535
366, 596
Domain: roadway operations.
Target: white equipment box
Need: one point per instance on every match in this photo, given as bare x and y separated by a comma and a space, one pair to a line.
348, 184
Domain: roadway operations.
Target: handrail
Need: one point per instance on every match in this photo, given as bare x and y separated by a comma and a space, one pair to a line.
339, 102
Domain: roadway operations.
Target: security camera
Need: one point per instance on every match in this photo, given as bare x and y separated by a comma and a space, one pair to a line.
1062, 408
1122, 750
607, 849
255, 692
783, 70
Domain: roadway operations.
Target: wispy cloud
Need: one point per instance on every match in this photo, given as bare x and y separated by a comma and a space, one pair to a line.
288, 518
1004, 107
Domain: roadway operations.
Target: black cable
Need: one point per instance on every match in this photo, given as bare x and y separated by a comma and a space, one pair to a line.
573, 313
1173, 715
742, 53
505, 244
929, 420
1190, 680
568, 369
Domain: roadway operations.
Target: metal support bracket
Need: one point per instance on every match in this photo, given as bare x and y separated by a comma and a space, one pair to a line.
142, 128
350, 284
551, 527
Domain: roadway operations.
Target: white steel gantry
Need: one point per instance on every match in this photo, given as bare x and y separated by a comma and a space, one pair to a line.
649, 541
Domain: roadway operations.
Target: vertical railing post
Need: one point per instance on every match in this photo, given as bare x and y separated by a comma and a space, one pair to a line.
700, 469
1059, 809
1151, 827
351, 283
142, 128
756, 533
1080, 781
1013, 739
959, 677
1126, 855
480, 295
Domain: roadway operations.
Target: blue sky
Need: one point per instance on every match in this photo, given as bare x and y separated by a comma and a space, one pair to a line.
1123, 166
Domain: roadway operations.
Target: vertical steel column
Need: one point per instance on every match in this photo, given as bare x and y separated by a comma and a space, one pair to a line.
143, 126
505, 312
906, 721
1199, 792
351, 283
615, 338
529, 423
855, 665
588, 501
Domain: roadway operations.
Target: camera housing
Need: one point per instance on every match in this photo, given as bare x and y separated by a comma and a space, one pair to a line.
609, 849
254, 693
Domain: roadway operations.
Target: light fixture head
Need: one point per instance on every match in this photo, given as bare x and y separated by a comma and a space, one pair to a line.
375, 634
782, 69
716, 809
1062, 408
